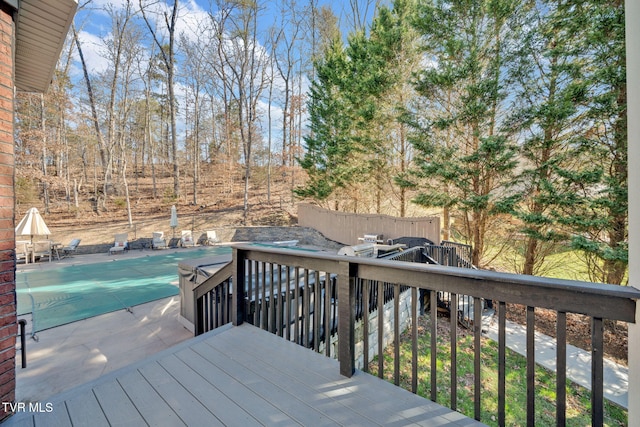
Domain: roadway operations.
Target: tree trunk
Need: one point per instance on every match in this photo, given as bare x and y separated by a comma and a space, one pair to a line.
446, 223
45, 187
530, 255
168, 60
75, 195
94, 113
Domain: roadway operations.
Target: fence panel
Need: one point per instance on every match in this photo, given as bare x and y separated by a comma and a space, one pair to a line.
346, 228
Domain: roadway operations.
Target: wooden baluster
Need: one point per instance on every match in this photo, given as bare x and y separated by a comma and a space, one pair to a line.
434, 345
477, 332
531, 367
502, 354
414, 339
597, 374
561, 371
396, 334
453, 318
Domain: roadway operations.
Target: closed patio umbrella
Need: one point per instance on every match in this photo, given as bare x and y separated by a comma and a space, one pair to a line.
32, 225
173, 223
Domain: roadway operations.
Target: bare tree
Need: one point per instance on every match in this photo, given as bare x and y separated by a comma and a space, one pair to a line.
58, 102
359, 13
132, 54
102, 145
271, 62
285, 43
167, 53
217, 63
195, 77
244, 59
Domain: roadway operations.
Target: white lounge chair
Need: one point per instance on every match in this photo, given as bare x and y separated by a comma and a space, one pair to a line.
186, 239
70, 248
121, 243
158, 241
212, 238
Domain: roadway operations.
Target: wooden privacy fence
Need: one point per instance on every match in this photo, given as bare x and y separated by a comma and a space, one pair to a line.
346, 228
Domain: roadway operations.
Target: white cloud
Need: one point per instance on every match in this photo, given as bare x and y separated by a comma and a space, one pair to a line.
93, 24
95, 28
190, 20
92, 46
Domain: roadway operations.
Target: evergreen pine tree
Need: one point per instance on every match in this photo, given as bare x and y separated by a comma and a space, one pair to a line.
549, 86
466, 163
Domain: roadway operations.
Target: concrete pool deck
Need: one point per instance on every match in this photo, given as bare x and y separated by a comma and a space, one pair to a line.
72, 354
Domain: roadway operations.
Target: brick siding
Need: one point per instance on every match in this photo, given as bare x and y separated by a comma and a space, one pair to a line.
8, 319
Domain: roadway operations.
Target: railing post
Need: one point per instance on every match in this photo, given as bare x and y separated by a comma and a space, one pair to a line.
23, 342
238, 305
346, 317
634, 370
198, 316
632, 14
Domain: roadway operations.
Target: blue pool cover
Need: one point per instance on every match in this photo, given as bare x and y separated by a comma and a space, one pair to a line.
67, 294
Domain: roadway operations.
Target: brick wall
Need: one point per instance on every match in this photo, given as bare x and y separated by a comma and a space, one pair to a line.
8, 321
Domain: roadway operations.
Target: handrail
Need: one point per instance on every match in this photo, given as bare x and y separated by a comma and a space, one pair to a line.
295, 295
316, 299
212, 298
598, 300
214, 280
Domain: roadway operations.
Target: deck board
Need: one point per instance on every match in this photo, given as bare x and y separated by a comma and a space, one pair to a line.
225, 409
286, 402
147, 401
59, 417
261, 409
301, 383
371, 404
84, 409
186, 406
111, 395
240, 376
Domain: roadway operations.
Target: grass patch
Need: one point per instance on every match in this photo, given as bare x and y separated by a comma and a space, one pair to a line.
578, 398
564, 263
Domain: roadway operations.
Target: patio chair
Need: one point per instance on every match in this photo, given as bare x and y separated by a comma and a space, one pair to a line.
212, 238
186, 239
41, 249
158, 241
70, 248
22, 251
121, 243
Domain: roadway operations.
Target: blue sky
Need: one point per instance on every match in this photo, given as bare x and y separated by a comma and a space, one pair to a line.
94, 26
93, 23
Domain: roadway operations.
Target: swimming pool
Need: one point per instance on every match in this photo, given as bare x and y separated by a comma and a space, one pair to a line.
67, 294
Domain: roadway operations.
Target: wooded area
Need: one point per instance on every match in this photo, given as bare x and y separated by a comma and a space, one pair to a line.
509, 116
170, 102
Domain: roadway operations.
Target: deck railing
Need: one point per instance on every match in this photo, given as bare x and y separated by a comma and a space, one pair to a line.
300, 295
212, 301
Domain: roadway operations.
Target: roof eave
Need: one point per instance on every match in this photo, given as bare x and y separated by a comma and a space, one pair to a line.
41, 30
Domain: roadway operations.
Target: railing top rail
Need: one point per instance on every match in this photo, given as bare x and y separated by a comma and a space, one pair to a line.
224, 272
598, 300
452, 243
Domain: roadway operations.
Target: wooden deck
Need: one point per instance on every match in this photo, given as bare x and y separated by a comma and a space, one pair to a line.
237, 376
